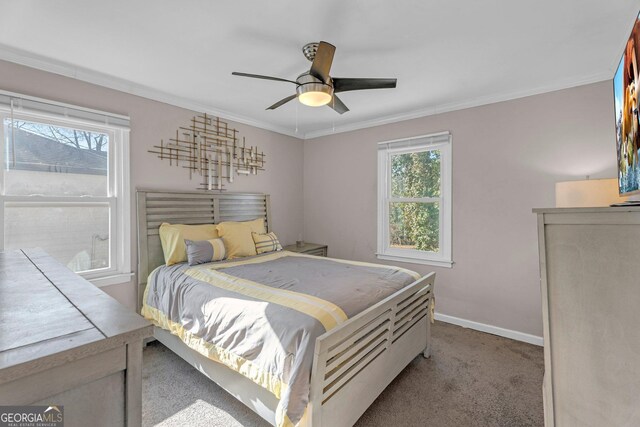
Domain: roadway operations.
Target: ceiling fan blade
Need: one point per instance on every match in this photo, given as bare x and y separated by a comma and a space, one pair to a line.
343, 85
322, 61
338, 105
258, 76
282, 102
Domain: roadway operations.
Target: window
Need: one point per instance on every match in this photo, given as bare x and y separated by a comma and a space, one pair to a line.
64, 185
414, 200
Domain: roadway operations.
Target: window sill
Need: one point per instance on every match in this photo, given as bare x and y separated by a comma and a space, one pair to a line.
412, 260
114, 279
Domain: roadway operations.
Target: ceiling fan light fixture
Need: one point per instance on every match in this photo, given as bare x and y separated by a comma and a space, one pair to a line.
315, 94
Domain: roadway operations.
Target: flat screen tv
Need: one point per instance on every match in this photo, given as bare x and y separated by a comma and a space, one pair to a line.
626, 85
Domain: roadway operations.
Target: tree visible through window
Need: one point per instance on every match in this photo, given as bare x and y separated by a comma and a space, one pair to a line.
414, 199
80, 139
415, 225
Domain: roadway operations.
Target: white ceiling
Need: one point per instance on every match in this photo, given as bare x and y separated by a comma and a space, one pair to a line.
445, 54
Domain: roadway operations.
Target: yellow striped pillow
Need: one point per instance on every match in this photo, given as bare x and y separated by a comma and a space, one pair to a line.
266, 242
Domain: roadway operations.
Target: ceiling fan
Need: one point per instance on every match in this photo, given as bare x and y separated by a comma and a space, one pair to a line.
316, 87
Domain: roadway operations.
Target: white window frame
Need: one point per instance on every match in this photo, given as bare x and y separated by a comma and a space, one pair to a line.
117, 198
386, 149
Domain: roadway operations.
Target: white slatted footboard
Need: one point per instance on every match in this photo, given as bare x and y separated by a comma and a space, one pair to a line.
356, 361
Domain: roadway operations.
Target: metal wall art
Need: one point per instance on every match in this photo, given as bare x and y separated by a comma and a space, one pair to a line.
212, 150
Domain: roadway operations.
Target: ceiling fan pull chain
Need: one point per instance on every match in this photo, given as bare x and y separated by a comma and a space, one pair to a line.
333, 121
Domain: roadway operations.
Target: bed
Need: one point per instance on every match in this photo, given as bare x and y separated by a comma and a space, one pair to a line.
350, 364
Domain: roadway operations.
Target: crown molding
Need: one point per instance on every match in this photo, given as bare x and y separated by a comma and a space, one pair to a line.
54, 66
455, 106
51, 65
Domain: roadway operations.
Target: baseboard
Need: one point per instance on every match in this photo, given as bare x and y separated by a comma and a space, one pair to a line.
490, 329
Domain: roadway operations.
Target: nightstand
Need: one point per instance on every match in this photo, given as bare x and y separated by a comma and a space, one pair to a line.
308, 248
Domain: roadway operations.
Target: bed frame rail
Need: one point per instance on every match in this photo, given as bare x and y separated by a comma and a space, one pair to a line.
355, 362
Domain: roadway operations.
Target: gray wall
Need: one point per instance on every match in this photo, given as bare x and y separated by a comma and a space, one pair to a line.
151, 121
506, 160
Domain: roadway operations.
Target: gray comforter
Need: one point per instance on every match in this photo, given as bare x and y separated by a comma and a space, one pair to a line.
261, 315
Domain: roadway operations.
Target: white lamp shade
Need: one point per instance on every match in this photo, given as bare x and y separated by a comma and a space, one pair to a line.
587, 193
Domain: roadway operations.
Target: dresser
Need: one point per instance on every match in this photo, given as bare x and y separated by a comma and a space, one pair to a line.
65, 342
590, 282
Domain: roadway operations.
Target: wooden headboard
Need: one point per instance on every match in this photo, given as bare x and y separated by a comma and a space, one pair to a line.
186, 207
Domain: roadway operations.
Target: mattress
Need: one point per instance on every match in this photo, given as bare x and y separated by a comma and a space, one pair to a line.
261, 315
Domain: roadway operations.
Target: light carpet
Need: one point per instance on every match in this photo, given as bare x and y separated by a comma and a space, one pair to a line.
472, 379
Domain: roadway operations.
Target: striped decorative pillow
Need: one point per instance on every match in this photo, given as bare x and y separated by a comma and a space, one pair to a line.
266, 242
199, 252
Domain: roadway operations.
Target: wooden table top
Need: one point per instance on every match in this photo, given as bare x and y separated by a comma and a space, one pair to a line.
47, 310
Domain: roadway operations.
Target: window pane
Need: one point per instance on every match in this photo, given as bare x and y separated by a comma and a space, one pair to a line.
54, 161
77, 236
414, 226
416, 174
